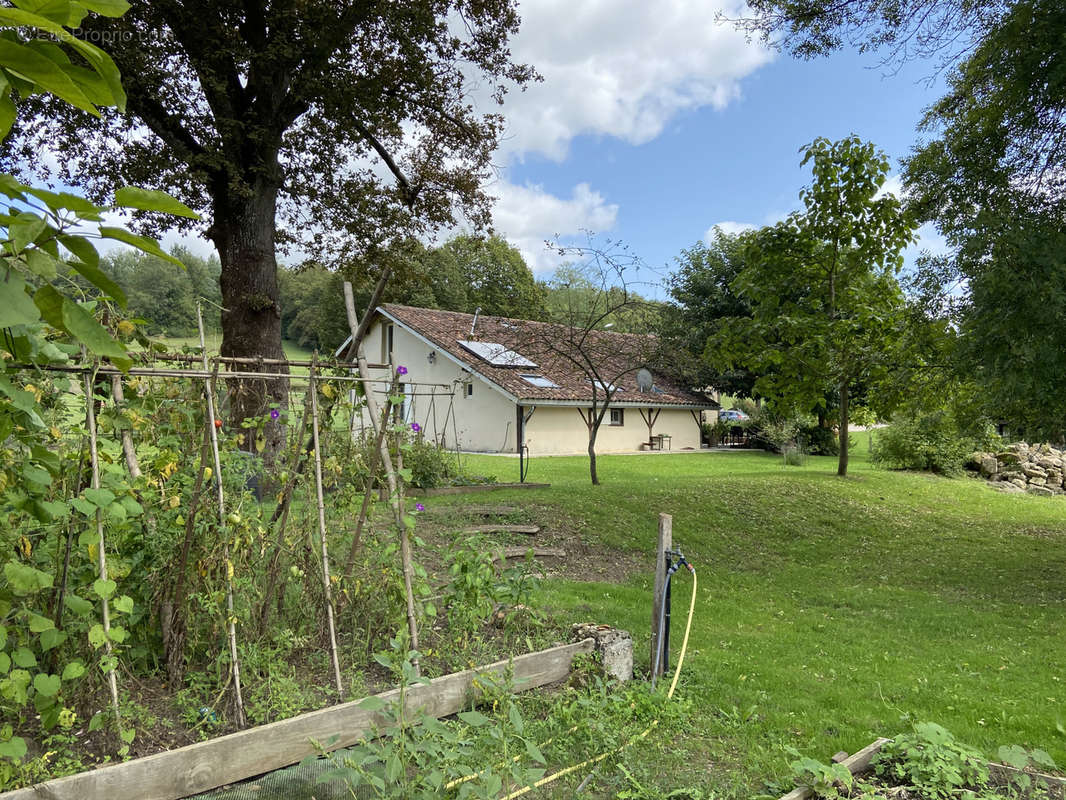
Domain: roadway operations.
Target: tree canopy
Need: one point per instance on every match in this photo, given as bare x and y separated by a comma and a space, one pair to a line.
164, 295
702, 298
334, 128
826, 310
990, 172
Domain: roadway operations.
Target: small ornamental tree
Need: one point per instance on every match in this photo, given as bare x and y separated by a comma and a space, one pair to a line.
580, 336
827, 312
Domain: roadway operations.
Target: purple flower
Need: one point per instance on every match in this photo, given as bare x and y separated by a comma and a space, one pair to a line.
416, 427
274, 413
401, 370
419, 507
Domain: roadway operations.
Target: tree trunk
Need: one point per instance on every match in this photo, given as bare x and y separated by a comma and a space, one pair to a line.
842, 464
594, 428
592, 460
251, 318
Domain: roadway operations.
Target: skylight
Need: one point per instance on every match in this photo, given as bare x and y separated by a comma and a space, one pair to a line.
605, 387
496, 354
539, 381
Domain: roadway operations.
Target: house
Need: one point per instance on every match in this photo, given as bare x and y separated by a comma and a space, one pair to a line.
491, 384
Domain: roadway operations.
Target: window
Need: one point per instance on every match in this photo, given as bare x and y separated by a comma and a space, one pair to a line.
386, 344
618, 416
539, 381
470, 390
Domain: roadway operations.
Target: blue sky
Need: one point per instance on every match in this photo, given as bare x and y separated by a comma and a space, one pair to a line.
661, 145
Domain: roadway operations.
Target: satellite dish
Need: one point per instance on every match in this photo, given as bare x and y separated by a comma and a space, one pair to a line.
644, 380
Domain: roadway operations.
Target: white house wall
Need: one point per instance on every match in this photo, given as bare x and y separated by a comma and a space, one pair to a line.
560, 430
484, 421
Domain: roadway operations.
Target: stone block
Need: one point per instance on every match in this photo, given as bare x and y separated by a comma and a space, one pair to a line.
988, 465
614, 646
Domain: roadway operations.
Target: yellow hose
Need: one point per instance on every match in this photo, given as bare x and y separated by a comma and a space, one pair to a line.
673, 685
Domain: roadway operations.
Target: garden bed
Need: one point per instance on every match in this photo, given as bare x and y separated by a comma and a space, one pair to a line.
924, 765
206, 765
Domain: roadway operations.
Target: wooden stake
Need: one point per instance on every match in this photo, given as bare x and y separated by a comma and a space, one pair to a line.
101, 552
280, 517
665, 542
364, 510
390, 474
322, 530
127, 438
231, 624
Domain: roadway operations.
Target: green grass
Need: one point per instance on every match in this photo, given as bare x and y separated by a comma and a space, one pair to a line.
829, 611
293, 351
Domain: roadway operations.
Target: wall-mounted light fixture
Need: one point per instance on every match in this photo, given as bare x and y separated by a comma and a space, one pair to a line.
432, 357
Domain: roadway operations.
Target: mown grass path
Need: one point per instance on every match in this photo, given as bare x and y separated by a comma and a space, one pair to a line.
831, 610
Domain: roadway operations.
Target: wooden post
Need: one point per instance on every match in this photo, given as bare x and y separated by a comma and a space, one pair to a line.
101, 551
127, 438
231, 624
665, 542
390, 473
322, 531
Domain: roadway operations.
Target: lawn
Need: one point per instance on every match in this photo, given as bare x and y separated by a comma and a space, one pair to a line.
829, 611
293, 351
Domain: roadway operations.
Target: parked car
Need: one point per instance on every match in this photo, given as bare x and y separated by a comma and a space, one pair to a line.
732, 415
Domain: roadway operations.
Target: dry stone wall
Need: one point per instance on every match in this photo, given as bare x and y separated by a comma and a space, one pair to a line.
1020, 467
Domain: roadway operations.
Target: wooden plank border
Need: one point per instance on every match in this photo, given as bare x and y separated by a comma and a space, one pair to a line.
860, 763
856, 764
203, 766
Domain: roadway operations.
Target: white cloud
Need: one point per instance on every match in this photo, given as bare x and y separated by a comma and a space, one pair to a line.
528, 215
621, 68
892, 185
728, 227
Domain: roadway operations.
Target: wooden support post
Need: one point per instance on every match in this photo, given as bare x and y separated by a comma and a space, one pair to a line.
665, 542
119, 397
231, 624
322, 531
390, 473
101, 550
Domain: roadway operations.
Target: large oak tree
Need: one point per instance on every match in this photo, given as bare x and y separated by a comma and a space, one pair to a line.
329, 128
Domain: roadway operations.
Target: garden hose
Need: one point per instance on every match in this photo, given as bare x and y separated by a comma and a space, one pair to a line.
664, 633
643, 734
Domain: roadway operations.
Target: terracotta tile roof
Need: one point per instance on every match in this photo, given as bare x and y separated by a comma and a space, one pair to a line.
618, 356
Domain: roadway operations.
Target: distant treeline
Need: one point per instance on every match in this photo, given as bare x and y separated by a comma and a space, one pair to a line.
463, 274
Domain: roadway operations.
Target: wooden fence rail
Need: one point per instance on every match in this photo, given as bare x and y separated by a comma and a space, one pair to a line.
203, 766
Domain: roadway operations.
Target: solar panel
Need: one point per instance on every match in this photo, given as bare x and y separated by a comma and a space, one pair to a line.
496, 354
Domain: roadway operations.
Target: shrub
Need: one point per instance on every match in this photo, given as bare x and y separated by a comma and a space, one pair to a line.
430, 465
819, 440
932, 764
928, 441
